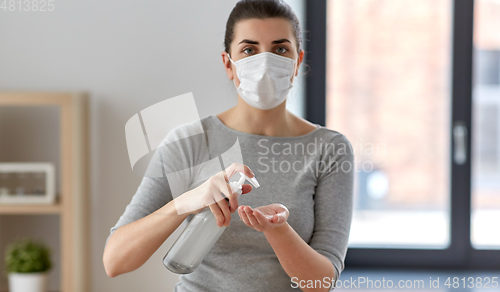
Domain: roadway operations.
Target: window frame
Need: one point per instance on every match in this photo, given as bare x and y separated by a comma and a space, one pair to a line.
460, 253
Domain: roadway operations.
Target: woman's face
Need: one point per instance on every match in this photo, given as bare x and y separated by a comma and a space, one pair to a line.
254, 36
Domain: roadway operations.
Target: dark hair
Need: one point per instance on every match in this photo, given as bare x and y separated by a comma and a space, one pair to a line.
261, 9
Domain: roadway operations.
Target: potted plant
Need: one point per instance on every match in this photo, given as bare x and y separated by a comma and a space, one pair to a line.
28, 263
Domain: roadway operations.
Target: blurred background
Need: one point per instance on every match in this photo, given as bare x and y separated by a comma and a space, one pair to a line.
389, 91
400, 78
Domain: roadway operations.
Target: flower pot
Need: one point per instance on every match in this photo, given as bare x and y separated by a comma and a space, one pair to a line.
28, 282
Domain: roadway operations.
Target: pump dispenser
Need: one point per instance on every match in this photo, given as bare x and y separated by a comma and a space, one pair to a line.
200, 235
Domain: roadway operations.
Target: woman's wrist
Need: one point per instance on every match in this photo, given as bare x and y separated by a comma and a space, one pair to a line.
170, 211
281, 230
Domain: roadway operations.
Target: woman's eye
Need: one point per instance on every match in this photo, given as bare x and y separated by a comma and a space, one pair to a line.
282, 50
248, 50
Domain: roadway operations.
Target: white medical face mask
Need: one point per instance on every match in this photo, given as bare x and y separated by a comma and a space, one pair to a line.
264, 79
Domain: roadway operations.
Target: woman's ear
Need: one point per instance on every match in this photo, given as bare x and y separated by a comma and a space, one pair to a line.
300, 58
227, 65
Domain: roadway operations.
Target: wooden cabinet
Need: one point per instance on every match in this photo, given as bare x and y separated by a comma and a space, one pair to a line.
72, 205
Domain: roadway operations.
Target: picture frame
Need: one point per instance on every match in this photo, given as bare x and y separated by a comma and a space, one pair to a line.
27, 183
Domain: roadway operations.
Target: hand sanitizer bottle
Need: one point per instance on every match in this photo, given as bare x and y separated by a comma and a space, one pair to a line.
199, 236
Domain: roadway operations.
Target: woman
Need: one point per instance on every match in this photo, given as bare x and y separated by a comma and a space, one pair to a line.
291, 232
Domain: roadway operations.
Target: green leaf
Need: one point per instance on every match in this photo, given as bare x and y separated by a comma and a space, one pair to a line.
27, 256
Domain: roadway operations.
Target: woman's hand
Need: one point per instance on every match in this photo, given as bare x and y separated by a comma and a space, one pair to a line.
264, 218
213, 193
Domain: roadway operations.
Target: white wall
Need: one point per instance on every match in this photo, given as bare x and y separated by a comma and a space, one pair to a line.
127, 55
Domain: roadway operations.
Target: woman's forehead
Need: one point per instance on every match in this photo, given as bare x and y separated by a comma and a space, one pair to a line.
263, 30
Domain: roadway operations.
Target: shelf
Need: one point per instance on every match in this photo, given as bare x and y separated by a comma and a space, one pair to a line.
26, 209
73, 201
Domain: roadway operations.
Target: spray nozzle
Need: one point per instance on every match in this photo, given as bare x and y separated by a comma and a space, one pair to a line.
253, 181
236, 186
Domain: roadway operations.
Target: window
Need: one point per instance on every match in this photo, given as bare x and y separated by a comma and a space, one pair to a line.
388, 92
486, 125
396, 77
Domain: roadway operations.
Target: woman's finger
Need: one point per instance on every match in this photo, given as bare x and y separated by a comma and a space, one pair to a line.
227, 174
275, 219
225, 211
238, 167
246, 188
282, 217
233, 202
233, 198
217, 213
225, 189
251, 217
260, 218
222, 184
244, 217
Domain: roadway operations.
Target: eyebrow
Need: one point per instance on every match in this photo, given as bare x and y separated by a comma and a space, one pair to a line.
280, 41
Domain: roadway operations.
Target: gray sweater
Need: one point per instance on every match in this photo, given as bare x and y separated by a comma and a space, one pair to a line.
312, 175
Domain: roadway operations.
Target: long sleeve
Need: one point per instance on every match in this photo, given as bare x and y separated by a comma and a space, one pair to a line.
173, 160
334, 203
152, 194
